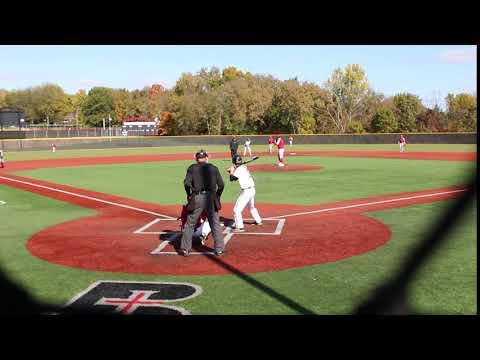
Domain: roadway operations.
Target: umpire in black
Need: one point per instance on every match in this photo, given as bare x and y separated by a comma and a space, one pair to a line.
233, 148
204, 186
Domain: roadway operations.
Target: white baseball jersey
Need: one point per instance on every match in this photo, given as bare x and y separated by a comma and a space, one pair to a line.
245, 179
247, 143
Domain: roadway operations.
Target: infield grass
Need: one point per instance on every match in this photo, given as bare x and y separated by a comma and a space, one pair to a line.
340, 179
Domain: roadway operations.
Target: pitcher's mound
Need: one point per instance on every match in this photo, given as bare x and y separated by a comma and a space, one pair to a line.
271, 167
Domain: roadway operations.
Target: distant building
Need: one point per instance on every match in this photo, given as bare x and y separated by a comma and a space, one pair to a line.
139, 125
69, 119
10, 118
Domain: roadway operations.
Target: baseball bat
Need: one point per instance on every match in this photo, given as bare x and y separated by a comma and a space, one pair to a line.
249, 161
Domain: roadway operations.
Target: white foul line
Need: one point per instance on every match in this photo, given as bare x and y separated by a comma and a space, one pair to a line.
88, 197
140, 231
366, 204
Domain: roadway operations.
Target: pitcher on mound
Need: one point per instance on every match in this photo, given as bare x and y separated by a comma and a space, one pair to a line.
281, 150
240, 172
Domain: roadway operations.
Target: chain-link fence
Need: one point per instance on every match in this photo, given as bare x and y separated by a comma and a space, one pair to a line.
70, 132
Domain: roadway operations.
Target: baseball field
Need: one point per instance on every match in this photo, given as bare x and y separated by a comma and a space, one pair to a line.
338, 221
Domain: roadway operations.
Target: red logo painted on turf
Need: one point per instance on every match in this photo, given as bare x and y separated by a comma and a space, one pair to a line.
129, 305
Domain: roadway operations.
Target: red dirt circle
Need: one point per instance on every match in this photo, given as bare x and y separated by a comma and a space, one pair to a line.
276, 168
112, 242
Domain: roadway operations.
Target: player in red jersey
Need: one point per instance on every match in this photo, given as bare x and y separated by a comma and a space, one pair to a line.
2, 159
402, 142
270, 144
281, 150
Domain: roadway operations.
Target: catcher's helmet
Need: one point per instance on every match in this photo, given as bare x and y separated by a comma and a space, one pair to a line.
237, 159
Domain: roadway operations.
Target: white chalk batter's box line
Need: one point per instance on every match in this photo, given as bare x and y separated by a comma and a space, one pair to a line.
227, 232
278, 229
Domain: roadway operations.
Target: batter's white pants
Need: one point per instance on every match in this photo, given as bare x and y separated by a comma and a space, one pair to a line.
281, 153
402, 147
270, 147
203, 230
245, 149
247, 196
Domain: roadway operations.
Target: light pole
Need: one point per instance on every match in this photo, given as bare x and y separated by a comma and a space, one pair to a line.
110, 127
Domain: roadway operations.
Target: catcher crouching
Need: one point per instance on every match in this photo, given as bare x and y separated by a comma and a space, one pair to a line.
202, 227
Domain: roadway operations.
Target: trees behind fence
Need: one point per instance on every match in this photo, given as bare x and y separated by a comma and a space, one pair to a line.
215, 102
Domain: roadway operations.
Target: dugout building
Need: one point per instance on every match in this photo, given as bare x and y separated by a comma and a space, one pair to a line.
11, 118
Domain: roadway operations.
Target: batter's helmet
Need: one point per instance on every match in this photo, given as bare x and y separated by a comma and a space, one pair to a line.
237, 159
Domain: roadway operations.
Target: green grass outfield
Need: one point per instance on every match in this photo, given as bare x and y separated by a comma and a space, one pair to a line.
66, 153
341, 179
447, 284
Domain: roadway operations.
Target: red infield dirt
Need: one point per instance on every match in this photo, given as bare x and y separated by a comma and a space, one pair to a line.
103, 160
125, 232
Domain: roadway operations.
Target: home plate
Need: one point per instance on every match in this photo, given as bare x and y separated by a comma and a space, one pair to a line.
293, 153
270, 227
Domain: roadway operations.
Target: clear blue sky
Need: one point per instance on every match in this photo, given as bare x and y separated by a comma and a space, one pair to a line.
428, 71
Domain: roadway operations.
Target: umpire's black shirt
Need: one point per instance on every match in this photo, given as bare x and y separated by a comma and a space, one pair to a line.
233, 145
203, 177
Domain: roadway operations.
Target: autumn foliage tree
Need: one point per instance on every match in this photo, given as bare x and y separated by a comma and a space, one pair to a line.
462, 112
432, 120
348, 89
45, 103
384, 121
407, 107
98, 105
232, 101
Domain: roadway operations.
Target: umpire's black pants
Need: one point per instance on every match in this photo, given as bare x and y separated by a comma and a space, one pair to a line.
203, 202
233, 153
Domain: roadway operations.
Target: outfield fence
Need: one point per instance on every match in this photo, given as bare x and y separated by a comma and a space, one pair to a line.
101, 140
